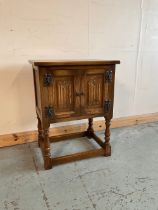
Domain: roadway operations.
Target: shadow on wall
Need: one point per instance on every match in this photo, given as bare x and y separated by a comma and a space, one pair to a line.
17, 98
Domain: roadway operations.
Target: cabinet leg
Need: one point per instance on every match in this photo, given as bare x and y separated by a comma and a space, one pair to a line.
107, 145
46, 149
39, 126
90, 129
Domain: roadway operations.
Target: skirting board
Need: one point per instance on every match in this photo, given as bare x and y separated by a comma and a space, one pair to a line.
31, 136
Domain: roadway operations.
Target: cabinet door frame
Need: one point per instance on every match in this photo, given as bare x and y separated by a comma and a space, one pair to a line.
62, 73
106, 89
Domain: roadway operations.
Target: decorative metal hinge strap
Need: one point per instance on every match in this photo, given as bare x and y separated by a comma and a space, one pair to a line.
107, 106
48, 79
108, 76
49, 111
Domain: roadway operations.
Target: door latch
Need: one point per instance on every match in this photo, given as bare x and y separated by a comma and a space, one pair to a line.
79, 94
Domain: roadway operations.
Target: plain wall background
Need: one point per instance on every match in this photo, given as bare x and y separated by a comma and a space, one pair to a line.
77, 29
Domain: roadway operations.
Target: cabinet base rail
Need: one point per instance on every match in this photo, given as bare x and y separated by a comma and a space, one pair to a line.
53, 161
77, 156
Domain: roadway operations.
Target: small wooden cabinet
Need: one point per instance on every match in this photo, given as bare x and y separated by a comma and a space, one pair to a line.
72, 90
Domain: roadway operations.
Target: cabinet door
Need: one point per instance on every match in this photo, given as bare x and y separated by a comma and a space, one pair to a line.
62, 94
97, 97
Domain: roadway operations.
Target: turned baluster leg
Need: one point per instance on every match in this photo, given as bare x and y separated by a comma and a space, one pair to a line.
107, 145
39, 126
46, 149
90, 129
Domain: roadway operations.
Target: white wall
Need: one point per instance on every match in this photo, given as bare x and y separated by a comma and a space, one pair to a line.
67, 29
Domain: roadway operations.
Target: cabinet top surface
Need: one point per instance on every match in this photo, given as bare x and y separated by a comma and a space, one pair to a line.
72, 62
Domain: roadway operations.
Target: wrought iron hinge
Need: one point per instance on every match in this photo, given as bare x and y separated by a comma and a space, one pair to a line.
48, 79
49, 111
107, 106
108, 76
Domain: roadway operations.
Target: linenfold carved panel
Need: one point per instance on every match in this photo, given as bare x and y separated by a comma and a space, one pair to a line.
63, 89
95, 91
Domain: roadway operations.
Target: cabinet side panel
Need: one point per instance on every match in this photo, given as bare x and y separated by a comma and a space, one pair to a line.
37, 88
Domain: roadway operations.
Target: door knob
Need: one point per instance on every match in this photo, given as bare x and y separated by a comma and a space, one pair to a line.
82, 93
77, 94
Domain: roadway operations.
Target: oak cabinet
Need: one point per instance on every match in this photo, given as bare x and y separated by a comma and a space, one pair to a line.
72, 90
